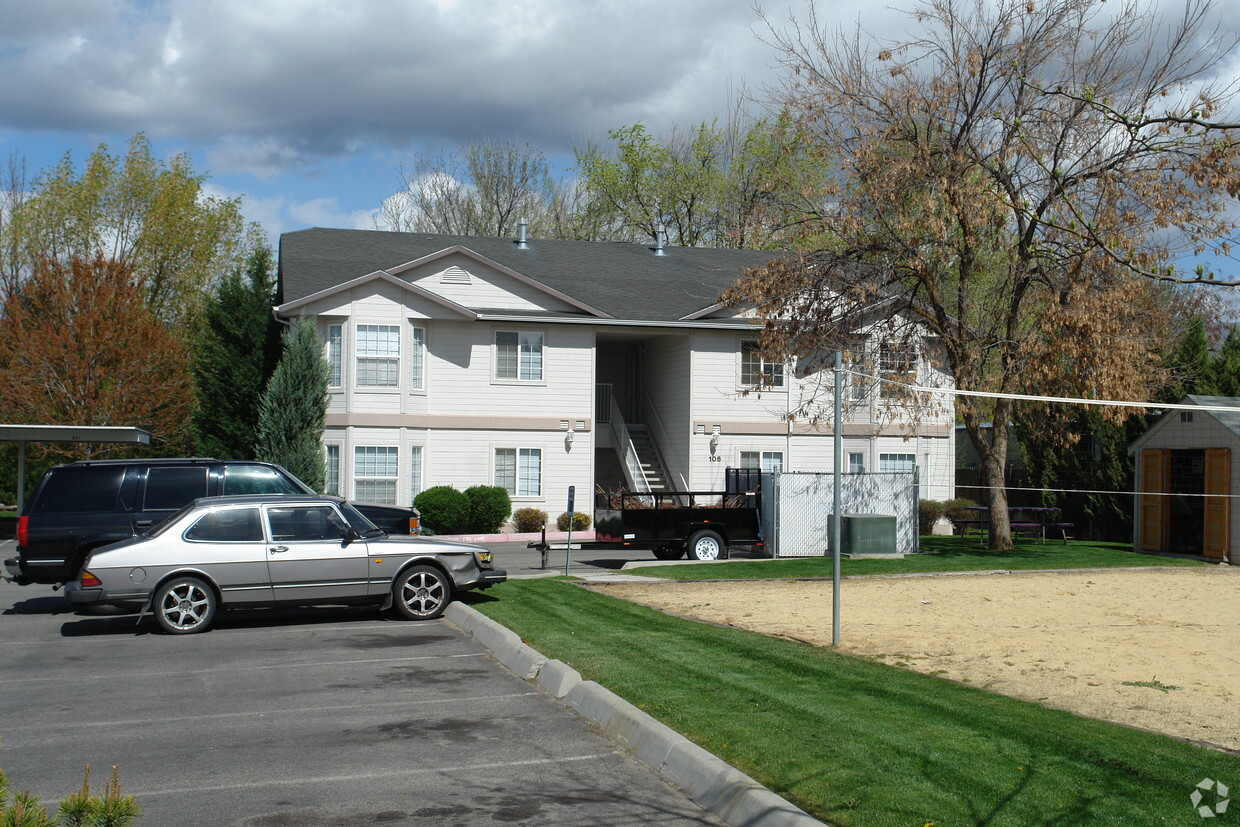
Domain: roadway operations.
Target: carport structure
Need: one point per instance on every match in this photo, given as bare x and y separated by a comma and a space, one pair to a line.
25, 434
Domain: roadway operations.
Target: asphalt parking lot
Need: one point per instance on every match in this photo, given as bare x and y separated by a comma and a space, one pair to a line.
302, 717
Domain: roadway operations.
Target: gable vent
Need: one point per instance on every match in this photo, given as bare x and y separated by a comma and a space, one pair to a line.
454, 275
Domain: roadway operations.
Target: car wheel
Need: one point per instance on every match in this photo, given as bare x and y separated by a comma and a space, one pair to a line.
665, 553
706, 545
184, 605
421, 592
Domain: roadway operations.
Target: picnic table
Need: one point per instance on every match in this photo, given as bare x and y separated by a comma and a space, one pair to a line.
1023, 519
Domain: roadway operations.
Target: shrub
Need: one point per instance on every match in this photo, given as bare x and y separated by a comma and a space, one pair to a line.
955, 509
928, 513
489, 507
527, 520
580, 521
444, 509
81, 807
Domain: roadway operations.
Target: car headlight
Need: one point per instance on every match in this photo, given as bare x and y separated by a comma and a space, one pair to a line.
485, 558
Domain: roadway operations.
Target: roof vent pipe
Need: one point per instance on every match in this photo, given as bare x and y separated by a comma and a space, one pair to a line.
658, 239
521, 245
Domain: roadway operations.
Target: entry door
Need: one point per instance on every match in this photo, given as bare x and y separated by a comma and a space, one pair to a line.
307, 557
1217, 532
1155, 474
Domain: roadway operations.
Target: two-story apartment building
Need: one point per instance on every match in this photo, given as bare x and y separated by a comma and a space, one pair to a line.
543, 364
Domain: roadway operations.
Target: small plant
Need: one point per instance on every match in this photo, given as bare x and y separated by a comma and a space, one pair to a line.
1152, 684
443, 508
529, 520
928, 513
580, 521
77, 809
489, 507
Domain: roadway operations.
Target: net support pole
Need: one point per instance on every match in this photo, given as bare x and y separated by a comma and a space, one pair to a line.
835, 506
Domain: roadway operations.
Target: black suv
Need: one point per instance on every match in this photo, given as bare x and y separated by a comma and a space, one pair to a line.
81, 506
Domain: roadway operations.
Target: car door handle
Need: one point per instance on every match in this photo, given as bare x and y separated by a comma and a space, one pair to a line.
277, 549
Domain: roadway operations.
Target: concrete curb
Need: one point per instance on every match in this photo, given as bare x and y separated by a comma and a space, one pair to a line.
716, 785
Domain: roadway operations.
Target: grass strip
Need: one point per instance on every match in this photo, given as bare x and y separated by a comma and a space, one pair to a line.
855, 742
948, 554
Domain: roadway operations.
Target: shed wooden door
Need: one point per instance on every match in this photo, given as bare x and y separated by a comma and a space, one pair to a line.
1217, 532
1155, 472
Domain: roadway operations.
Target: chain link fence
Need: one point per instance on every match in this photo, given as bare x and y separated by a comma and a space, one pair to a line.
797, 508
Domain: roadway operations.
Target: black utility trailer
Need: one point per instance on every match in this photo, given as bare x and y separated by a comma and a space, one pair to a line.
703, 523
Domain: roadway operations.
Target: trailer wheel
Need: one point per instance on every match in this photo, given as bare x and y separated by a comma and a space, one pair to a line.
665, 553
706, 545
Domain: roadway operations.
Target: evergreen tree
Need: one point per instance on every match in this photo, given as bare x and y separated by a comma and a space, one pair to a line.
1226, 372
1191, 366
235, 353
293, 412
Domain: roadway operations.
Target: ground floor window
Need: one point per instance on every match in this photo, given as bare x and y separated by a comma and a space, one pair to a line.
332, 485
415, 471
519, 471
897, 462
769, 462
856, 462
374, 474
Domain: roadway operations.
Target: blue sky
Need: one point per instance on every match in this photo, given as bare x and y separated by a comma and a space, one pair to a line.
307, 109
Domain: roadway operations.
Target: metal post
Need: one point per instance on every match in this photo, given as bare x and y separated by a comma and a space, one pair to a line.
835, 509
568, 551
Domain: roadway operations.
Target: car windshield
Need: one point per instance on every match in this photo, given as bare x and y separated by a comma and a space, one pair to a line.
362, 525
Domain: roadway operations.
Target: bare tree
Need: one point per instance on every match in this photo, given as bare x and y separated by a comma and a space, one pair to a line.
1019, 178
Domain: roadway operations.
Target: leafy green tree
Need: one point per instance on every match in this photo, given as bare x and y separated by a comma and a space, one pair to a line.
293, 411
1226, 368
152, 217
235, 351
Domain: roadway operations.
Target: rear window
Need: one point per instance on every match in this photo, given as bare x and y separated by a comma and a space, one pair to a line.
257, 479
171, 488
80, 490
228, 525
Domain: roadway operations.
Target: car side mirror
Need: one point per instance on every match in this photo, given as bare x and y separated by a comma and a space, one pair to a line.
349, 535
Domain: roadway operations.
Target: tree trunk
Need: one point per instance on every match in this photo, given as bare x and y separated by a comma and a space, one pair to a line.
993, 453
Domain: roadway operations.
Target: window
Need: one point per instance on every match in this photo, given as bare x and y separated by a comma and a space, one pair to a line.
257, 479
170, 488
518, 356
415, 472
417, 359
374, 474
897, 365
896, 462
769, 462
856, 462
332, 485
854, 361
378, 355
300, 523
519, 471
228, 525
334, 341
76, 490
757, 371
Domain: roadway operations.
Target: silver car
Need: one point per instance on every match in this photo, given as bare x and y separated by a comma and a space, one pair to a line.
222, 552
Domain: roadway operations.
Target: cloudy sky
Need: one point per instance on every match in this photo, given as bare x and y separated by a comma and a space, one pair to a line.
307, 108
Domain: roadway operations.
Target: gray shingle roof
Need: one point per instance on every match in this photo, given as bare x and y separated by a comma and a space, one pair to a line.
1229, 420
627, 281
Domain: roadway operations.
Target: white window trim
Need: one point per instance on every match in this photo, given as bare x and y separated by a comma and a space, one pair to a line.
420, 481
763, 366
357, 356
542, 470
340, 477
419, 387
543, 362
327, 347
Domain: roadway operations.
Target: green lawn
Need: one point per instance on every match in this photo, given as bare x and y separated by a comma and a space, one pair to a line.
855, 742
950, 554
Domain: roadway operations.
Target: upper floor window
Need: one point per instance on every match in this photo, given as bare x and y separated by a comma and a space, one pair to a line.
519, 355
335, 336
757, 371
378, 355
897, 365
417, 359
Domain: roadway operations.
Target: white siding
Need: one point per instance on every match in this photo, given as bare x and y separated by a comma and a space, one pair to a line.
486, 288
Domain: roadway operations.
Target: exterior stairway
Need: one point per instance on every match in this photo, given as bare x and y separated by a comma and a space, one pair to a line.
648, 457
